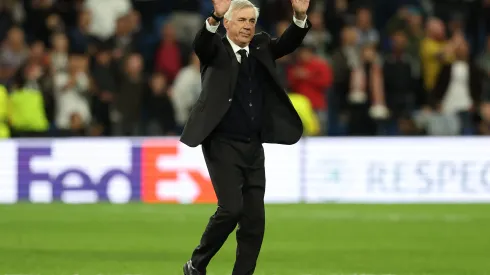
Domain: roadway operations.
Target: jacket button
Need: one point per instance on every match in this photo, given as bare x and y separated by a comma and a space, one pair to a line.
229, 100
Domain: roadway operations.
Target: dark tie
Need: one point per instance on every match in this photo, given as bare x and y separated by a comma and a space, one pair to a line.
244, 64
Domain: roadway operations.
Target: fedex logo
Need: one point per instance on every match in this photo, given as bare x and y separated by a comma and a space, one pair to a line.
157, 171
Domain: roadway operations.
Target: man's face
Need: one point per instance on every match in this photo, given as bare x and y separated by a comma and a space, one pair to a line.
364, 19
399, 41
349, 37
415, 20
305, 54
241, 27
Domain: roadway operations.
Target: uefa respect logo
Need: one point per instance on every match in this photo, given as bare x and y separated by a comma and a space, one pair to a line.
157, 171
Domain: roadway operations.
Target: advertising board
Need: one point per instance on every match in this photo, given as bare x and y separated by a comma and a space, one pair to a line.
315, 170
125, 170
397, 170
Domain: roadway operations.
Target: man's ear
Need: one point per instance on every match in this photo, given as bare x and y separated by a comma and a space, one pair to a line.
226, 23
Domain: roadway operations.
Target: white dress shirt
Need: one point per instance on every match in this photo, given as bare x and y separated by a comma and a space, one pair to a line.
236, 48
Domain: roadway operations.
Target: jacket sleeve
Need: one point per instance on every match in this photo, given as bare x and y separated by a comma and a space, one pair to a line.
290, 40
205, 44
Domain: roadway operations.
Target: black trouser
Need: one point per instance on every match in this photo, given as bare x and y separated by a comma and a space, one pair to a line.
237, 171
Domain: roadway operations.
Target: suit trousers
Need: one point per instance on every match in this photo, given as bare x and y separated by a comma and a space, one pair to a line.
237, 172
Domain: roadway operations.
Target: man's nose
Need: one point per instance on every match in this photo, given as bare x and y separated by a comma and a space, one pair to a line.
248, 24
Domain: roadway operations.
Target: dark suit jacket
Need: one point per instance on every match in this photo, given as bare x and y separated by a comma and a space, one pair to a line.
219, 71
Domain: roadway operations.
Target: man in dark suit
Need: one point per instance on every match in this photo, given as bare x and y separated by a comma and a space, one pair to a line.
242, 105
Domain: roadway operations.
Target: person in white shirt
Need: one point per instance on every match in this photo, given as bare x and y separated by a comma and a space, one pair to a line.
105, 14
71, 92
186, 90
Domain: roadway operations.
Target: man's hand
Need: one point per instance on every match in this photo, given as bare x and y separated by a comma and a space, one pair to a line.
221, 7
300, 7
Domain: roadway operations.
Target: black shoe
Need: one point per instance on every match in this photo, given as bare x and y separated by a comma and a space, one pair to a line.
190, 270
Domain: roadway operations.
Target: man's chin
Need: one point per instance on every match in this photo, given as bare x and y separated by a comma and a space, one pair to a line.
246, 40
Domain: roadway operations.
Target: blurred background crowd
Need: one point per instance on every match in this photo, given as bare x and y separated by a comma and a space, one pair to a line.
126, 67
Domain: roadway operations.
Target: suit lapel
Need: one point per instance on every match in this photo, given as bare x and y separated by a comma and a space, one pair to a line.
264, 57
260, 53
234, 65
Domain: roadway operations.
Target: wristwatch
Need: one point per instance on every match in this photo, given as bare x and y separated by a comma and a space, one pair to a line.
216, 17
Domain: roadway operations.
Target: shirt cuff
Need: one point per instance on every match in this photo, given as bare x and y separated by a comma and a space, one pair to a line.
210, 28
299, 23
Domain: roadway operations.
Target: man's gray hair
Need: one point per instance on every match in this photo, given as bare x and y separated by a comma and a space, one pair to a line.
240, 5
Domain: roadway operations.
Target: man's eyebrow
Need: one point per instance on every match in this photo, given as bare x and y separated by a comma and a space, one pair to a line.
244, 18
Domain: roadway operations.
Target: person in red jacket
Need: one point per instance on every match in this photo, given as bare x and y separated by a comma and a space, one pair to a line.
311, 76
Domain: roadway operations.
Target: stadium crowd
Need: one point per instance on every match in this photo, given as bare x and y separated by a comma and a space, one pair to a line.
126, 68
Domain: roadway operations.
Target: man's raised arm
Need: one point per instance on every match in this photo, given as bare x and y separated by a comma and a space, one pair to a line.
204, 45
295, 33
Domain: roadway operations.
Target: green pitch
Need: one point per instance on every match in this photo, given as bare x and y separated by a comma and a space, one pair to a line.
328, 239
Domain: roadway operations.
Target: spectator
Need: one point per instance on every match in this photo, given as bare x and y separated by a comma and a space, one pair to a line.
129, 97
456, 25
42, 20
105, 14
399, 82
366, 94
122, 41
13, 53
27, 114
186, 90
302, 105
415, 33
435, 51
484, 124
71, 93
311, 77
4, 128
398, 21
344, 60
161, 111
137, 32
69, 11
409, 20
186, 15
81, 41
483, 62
367, 33
6, 19
318, 36
169, 55
59, 53
37, 54
336, 15
104, 88
458, 90
134, 18
77, 128
273, 11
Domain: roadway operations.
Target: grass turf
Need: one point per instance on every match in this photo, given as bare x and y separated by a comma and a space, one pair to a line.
58, 239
